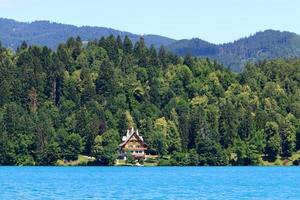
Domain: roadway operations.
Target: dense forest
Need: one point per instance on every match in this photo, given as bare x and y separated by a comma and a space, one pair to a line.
265, 45
269, 44
81, 99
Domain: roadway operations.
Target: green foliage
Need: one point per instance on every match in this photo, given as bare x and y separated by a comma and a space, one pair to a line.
246, 154
269, 44
105, 147
288, 135
49, 154
71, 144
179, 159
193, 157
211, 153
129, 158
173, 138
273, 146
159, 142
81, 100
106, 83
164, 162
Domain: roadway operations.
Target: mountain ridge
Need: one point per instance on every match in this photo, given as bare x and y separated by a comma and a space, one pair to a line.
44, 32
263, 45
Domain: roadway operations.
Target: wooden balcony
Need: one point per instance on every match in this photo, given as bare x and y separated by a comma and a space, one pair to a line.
134, 149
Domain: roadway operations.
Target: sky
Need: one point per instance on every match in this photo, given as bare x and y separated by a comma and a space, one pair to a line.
217, 21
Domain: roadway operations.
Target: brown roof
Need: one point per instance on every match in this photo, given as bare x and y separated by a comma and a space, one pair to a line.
128, 138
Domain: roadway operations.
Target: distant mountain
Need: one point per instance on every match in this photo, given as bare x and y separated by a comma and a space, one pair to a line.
13, 33
195, 47
262, 45
268, 44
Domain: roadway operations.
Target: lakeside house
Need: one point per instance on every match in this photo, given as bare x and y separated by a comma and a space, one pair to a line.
134, 144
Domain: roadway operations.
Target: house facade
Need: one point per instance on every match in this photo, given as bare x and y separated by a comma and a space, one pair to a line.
134, 144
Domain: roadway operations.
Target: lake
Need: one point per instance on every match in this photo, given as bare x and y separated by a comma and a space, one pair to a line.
149, 183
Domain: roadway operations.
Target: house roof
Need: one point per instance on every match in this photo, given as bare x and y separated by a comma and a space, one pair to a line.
130, 134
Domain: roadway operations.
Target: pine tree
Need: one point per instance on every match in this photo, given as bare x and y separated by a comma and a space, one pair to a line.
153, 56
141, 52
111, 47
163, 57
228, 124
288, 135
188, 60
127, 45
119, 42
106, 83
5, 91
273, 147
173, 138
87, 126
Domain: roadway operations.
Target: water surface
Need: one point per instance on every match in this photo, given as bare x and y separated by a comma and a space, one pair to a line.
149, 183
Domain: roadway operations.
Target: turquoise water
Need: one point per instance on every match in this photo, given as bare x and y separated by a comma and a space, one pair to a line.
149, 183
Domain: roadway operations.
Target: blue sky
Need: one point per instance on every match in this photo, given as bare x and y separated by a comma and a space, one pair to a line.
216, 21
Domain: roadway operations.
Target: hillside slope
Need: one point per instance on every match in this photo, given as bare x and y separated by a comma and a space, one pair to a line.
268, 44
12, 33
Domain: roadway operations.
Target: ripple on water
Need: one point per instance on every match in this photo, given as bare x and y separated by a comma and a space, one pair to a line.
149, 183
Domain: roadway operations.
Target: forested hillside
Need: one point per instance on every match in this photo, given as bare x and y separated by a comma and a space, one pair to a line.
264, 45
80, 100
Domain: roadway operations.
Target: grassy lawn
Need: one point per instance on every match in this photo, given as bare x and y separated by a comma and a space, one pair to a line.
85, 160
81, 161
146, 163
296, 156
120, 162
282, 161
150, 164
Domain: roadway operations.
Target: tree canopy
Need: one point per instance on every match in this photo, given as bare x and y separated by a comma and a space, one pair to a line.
80, 99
